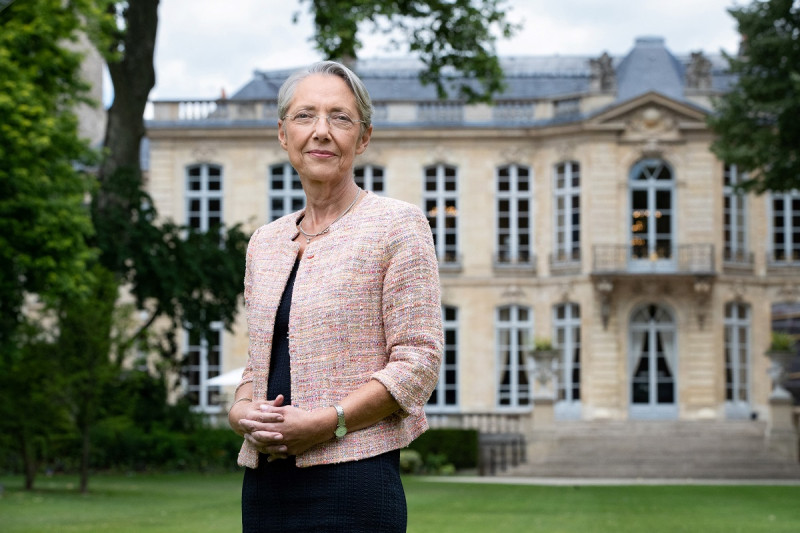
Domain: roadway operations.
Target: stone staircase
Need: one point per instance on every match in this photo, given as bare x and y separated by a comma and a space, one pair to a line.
650, 449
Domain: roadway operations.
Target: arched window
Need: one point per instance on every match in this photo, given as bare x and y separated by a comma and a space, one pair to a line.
652, 208
514, 327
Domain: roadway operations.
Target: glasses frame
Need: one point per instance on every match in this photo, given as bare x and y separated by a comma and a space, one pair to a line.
315, 118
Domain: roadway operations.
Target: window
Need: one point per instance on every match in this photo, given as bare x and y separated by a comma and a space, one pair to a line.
514, 328
514, 215
441, 206
786, 227
446, 393
204, 196
567, 327
567, 212
285, 191
201, 364
737, 360
370, 178
735, 217
651, 194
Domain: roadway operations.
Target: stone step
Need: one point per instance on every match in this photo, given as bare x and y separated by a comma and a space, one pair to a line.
647, 449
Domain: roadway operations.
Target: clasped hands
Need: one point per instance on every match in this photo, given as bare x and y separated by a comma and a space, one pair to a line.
279, 430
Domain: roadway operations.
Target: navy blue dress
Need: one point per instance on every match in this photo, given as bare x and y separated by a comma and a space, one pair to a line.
357, 496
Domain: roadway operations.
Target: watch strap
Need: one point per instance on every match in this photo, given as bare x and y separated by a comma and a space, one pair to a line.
341, 427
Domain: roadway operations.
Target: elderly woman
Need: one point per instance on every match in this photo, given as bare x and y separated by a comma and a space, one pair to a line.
345, 329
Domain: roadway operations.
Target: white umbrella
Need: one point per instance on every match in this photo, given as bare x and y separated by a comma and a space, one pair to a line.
228, 378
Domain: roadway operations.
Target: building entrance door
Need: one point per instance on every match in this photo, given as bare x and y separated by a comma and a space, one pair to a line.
652, 359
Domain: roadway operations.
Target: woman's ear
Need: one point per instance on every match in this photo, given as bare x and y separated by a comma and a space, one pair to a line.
282, 134
364, 140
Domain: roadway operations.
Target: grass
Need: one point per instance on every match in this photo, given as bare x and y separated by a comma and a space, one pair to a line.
210, 503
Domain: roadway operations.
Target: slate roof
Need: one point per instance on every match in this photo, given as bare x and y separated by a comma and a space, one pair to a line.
649, 66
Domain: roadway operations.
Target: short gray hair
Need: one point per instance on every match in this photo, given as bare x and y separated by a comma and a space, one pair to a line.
328, 68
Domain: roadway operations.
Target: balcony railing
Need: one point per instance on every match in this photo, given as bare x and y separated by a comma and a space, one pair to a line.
686, 259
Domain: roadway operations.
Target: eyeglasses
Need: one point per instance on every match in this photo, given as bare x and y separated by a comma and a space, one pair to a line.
337, 121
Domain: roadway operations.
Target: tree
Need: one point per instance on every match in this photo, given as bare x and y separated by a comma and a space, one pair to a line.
45, 223
757, 120
454, 39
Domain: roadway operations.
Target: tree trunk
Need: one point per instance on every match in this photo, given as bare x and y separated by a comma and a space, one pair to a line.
85, 448
28, 459
133, 76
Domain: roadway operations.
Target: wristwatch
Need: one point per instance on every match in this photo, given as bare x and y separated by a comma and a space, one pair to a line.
341, 428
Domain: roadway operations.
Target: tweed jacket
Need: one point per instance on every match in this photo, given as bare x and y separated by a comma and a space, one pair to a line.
366, 305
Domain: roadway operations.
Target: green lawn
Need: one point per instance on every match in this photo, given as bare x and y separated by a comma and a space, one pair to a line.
198, 503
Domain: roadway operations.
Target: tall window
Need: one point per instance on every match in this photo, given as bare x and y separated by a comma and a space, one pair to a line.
514, 215
651, 189
514, 329
370, 178
446, 393
441, 207
786, 227
285, 191
567, 210
203, 196
203, 363
735, 216
737, 359
567, 326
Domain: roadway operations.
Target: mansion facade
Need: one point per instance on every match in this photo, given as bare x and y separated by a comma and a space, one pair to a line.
583, 207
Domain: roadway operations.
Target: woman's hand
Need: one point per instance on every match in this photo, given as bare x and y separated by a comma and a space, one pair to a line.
280, 431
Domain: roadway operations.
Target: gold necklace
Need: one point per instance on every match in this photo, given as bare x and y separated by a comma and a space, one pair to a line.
310, 236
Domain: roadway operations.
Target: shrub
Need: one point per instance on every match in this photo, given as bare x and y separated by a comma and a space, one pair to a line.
440, 447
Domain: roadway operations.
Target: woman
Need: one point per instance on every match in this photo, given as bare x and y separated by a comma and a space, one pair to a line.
345, 329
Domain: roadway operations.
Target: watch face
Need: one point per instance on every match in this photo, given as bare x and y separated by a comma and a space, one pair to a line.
340, 431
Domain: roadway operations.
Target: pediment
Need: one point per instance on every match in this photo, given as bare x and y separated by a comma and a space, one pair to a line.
651, 116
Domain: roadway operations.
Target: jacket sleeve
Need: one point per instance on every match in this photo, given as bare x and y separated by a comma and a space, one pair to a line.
247, 375
412, 316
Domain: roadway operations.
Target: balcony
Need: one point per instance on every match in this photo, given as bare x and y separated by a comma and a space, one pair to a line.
685, 259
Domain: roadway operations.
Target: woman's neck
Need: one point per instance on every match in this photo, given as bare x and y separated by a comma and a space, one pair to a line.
323, 207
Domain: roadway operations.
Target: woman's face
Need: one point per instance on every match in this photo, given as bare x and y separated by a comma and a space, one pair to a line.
318, 151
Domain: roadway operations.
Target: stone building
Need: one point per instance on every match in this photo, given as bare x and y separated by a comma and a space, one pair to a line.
584, 207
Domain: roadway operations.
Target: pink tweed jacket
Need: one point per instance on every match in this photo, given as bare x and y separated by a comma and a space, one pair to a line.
365, 305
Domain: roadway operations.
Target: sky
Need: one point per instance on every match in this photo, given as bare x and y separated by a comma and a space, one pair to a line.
206, 46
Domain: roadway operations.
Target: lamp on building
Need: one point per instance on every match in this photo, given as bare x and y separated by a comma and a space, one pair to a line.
702, 290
